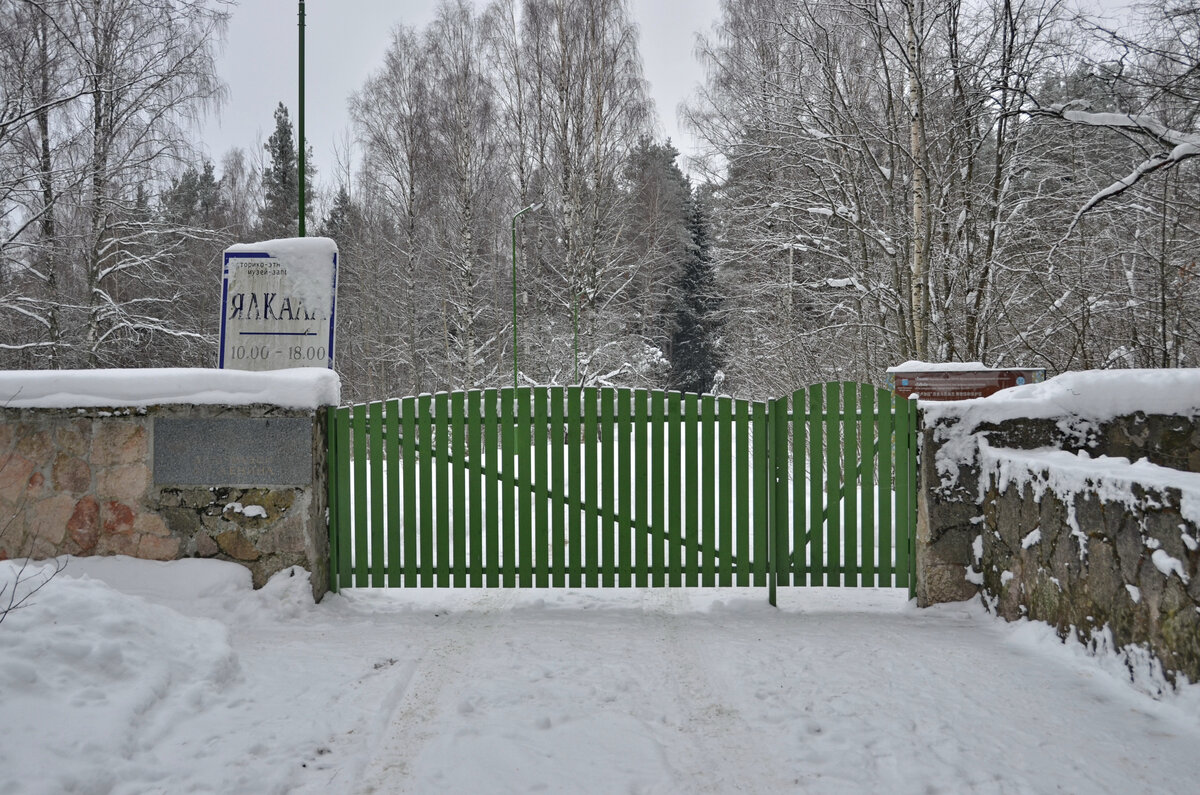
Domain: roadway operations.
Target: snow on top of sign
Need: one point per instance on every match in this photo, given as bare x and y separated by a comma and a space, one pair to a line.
1098, 395
291, 247
308, 260
300, 388
947, 367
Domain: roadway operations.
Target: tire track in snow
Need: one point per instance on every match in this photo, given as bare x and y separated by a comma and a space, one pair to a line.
713, 726
407, 711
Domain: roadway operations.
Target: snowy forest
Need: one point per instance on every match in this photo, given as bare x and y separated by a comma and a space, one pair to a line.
881, 180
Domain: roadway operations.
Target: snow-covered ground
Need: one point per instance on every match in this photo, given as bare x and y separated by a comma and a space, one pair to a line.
135, 677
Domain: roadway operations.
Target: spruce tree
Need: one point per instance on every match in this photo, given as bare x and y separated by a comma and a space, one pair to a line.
194, 199
344, 219
281, 201
695, 349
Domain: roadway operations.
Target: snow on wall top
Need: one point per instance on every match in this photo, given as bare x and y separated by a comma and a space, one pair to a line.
1098, 395
1065, 473
299, 388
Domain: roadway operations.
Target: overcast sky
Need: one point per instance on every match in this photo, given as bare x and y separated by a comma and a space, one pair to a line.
345, 41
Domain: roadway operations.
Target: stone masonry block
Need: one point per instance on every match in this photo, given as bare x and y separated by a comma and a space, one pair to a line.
125, 482
37, 446
48, 519
71, 474
15, 471
74, 438
154, 547
119, 441
84, 524
117, 518
150, 524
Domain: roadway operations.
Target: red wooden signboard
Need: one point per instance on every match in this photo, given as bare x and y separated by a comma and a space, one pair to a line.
959, 384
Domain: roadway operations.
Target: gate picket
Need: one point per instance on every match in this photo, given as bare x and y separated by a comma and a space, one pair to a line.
608, 492
816, 484
492, 517
887, 452
391, 435
441, 480
558, 528
641, 489
361, 515
689, 531
591, 547
742, 548
574, 486
762, 486
508, 525
623, 430
777, 505
849, 489
658, 489
475, 459
726, 457
408, 421
800, 518
375, 459
709, 553
675, 488
867, 469
458, 484
524, 553
425, 475
541, 473
585, 486
833, 479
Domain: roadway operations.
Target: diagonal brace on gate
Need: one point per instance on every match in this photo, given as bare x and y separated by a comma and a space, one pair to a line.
565, 499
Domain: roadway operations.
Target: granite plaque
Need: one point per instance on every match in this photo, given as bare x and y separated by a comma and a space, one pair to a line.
233, 451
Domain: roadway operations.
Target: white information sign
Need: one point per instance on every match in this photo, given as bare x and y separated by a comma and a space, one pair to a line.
277, 304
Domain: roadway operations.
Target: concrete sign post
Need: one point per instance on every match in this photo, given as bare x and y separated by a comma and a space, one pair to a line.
278, 301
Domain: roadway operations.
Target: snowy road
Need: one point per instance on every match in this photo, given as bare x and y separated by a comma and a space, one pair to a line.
557, 691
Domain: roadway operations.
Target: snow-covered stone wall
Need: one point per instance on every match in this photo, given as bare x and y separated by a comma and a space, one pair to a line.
165, 464
1076, 503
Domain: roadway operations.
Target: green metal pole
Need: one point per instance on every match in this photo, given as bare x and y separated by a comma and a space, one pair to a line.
521, 212
301, 121
575, 323
514, 291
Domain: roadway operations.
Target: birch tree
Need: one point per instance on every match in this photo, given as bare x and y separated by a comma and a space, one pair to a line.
392, 114
867, 155
119, 84
465, 144
590, 101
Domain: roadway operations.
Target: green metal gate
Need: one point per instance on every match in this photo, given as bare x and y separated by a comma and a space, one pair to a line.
585, 487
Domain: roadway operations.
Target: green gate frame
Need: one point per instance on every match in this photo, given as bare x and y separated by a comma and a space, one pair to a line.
617, 502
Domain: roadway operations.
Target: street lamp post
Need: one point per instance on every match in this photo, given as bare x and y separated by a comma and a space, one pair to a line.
302, 209
534, 207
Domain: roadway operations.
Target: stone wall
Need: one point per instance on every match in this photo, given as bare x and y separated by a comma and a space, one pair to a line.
82, 482
1102, 548
1046, 518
